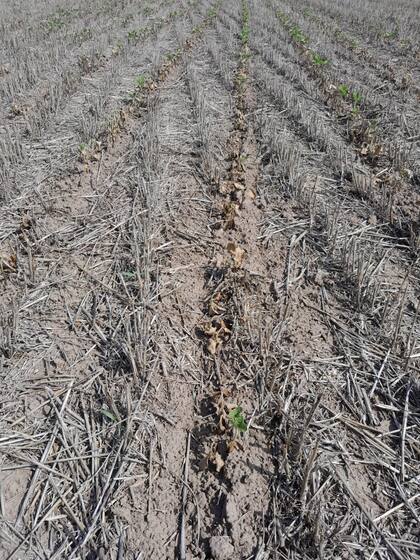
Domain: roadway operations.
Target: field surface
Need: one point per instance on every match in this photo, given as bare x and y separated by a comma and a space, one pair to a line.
209, 279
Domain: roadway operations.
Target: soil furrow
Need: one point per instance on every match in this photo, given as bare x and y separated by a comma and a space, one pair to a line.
94, 302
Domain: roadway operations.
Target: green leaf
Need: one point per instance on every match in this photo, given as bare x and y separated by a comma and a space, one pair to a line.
343, 90
141, 81
318, 60
357, 97
238, 419
109, 414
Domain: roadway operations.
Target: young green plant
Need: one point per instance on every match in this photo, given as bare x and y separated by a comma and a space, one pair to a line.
318, 60
237, 419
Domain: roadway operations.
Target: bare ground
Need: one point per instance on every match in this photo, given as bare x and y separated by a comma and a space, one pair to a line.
209, 322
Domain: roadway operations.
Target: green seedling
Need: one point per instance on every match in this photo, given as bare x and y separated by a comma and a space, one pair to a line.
237, 419
136, 34
318, 60
298, 35
171, 57
245, 27
54, 23
282, 17
356, 98
245, 54
128, 275
133, 35
241, 80
390, 34
109, 415
141, 81
245, 34
343, 90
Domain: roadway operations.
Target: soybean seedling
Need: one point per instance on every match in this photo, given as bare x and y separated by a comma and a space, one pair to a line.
343, 90
141, 81
357, 99
318, 60
298, 35
237, 419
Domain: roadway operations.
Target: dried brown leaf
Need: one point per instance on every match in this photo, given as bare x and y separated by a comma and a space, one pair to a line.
237, 253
